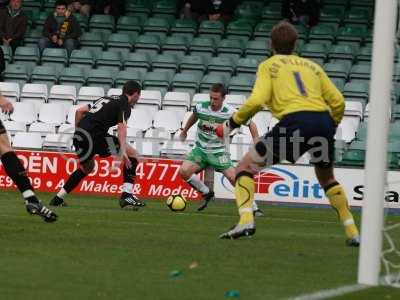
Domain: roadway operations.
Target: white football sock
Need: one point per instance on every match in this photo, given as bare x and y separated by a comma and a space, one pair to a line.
127, 187
62, 193
196, 183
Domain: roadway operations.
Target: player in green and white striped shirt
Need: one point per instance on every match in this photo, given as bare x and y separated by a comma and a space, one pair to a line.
209, 149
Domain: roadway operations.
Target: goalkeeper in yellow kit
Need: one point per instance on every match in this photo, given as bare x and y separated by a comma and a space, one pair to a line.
309, 108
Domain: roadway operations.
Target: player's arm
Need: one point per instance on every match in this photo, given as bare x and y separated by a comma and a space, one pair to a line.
253, 131
122, 129
260, 97
80, 113
5, 105
190, 122
333, 97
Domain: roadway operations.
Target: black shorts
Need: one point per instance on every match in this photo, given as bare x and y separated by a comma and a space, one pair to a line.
296, 134
2, 128
87, 146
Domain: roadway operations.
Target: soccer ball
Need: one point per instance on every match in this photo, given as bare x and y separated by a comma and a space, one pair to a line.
176, 203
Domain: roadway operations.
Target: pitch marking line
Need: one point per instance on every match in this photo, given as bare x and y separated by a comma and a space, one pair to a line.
326, 294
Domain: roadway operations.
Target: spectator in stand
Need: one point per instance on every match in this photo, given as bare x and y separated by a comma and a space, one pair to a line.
83, 7
114, 8
207, 9
190, 9
61, 29
301, 11
3, 3
13, 24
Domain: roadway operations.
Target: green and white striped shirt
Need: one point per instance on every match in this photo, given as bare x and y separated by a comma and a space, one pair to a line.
206, 138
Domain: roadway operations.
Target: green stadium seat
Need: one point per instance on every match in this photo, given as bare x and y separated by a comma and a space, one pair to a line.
352, 34
138, 6
358, 15
164, 7
83, 21
249, 10
82, 58
314, 50
342, 52
32, 37
121, 42
177, 45
355, 154
396, 112
211, 79
32, 13
257, 49
337, 70
148, 43
360, 72
7, 53
41, 18
184, 27
45, 74
32, 4
100, 78
356, 90
72, 76
361, 133
394, 131
165, 62
225, 65
159, 80
339, 83
241, 28
57, 57
27, 55
211, 28
92, 41
128, 24
323, 32
124, 76
241, 84
104, 22
302, 31
232, 48
110, 61
186, 83
193, 64
272, 12
137, 61
19, 73
247, 65
155, 25
364, 54
263, 29
202, 46
332, 14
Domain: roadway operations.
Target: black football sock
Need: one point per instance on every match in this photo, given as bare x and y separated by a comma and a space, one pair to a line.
73, 180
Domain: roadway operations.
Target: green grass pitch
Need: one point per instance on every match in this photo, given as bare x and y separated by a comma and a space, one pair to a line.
98, 251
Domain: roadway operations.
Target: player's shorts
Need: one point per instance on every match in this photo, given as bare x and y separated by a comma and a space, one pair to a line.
2, 128
296, 134
219, 161
87, 146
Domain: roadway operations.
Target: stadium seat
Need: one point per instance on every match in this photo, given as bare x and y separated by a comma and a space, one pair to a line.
342, 52
63, 94
42, 128
114, 92
72, 76
10, 90
164, 62
232, 48
202, 46
247, 65
109, 61
211, 79
52, 113
137, 62
364, 54
44, 74
263, 29
357, 15
121, 42
131, 74
104, 22
128, 24
55, 56
82, 58
27, 140
355, 154
186, 82
27, 56
92, 41
337, 70
83, 21
175, 148
262, 120
200, 97
7, 53
147, 148
239, 28
87, 95
180, 99
148, 43
184, 27
249, 10
35, 93
241, 84
168, 120
13, 127
322, 32
332, 14
351, 34
100, 78
32, 37
150, 99
360, 72
193, 63
24, 112
235, 100
17, 73
257, 49
177, 45
158, 80
155, 25
58, 142
138, 6
211, 28
141, 119
314, 50
272, 12
357, 90
339, 83
237, 151
158, 134
164, 8
224, 65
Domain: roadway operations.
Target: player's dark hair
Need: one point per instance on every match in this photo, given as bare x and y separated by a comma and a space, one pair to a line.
131, 87
218, 88
283, 38
61, 3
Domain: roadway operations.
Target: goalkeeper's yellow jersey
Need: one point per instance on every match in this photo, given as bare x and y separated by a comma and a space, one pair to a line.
289, 83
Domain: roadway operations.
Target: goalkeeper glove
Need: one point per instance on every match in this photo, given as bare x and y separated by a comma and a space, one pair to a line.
223, 130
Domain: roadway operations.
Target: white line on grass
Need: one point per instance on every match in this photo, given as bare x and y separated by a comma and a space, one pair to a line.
326, 294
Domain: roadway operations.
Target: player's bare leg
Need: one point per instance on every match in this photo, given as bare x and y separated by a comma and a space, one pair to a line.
187, 172
128, 200
17, 173
338, 200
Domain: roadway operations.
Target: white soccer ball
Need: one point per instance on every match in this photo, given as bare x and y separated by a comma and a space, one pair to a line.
176, 203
